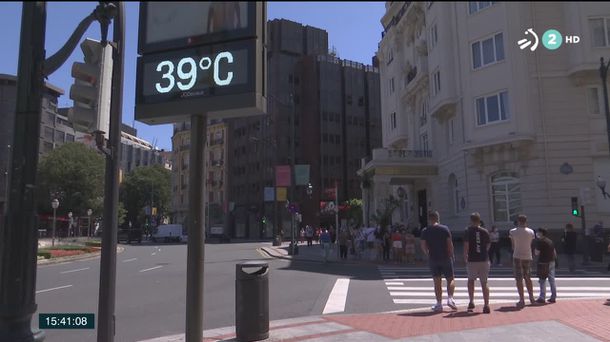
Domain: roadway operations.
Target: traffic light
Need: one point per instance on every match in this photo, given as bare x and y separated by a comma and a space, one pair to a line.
575, 207
91, 89
264, 220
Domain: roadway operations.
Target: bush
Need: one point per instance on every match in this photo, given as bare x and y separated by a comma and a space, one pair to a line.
93, 243
45, 254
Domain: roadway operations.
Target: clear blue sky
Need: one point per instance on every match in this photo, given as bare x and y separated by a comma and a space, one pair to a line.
353, 28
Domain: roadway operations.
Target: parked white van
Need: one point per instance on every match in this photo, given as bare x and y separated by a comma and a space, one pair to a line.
169, 232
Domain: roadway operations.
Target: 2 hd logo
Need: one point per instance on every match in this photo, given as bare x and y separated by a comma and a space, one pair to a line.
551, 40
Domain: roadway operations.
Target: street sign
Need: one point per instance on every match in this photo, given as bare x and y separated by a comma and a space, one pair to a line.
170, 25
201, 58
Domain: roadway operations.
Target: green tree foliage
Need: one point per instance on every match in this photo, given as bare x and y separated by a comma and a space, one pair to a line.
383, 216
74, 174
354, 211
140, 185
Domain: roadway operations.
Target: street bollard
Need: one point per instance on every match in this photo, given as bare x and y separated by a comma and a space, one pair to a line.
252, 301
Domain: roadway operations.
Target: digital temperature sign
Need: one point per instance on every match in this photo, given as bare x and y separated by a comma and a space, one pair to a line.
197, 79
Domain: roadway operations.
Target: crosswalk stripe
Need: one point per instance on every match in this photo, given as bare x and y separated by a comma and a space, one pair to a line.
512, 294
499, 288
433, 301
494, 278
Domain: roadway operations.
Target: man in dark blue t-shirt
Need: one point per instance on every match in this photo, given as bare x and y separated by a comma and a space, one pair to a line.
437, 244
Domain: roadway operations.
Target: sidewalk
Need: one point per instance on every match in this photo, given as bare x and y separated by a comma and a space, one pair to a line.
569, 320
315, 253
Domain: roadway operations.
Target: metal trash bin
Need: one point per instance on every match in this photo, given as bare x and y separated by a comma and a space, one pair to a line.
252, 301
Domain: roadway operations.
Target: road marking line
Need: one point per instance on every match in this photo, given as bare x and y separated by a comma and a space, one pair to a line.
76, 270
338, 297
388, 283
154, 253
53, 289
132, 259
150, 269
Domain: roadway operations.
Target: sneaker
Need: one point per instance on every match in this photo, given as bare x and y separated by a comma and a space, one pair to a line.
486, 310
470, 306
438, 307
451, 304
541, 300
551, 300
520, 304
532, 300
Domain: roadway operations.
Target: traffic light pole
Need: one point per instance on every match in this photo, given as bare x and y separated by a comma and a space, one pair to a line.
107, 291
18, 239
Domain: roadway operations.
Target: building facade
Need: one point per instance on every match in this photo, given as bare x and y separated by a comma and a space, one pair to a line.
328, 107
473, 123
216, 177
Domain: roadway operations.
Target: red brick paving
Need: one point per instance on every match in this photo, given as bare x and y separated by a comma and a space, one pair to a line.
591, 317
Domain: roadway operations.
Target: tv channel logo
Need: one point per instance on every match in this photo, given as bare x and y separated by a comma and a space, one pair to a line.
551, 39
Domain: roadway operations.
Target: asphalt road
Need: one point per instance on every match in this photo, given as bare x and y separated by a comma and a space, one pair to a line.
151, 287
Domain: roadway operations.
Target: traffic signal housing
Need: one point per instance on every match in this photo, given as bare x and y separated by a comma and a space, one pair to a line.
92, 88
575, 207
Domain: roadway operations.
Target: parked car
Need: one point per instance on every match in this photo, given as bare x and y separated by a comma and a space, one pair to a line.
169, 232
130, 234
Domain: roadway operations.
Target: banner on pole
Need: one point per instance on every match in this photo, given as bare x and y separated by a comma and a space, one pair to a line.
301, 174
281, 194
269, 194
282, 175
330, 193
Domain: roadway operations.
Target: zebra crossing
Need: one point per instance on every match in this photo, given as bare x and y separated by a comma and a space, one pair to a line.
414, 286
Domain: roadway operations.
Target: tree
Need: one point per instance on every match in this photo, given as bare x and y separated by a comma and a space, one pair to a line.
354, 211
143, 184
383, 216
74, 174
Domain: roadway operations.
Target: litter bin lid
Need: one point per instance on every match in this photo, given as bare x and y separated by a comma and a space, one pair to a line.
253, 263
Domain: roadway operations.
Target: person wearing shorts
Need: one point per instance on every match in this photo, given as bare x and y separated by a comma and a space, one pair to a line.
476, 256
397, 246
437, 244
521, 238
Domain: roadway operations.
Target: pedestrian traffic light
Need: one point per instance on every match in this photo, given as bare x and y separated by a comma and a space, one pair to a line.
91, 89
575, 207
264, 220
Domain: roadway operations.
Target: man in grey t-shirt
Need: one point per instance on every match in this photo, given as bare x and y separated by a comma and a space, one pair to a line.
437, 245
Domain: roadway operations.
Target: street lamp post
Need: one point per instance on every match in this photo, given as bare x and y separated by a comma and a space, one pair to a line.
55, 205
70, 227
89, 212
603, 73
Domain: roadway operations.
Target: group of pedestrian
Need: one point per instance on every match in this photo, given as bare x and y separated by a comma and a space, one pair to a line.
437, 244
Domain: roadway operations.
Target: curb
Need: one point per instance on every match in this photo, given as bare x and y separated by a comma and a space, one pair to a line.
83, 256
272, 253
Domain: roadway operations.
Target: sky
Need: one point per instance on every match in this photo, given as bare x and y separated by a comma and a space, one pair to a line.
354, 29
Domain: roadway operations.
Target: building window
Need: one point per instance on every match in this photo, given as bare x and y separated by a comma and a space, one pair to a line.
393, 120
433, 36
436, 83
60, 136
593, 97
423, 141
454, 193
492, 108
360, 101
600, 31
349, 99
390, 56
325, 137
48, 133
450, 125
488, 51
423, 119
47, 147
506, 195
69, 137
475, 6
392, 85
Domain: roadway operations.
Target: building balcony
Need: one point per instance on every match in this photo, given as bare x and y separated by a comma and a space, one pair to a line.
218, 162
401, 165
416, 76
215, 142
184, 147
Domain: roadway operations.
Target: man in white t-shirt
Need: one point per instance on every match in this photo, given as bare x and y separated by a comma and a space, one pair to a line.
521, 238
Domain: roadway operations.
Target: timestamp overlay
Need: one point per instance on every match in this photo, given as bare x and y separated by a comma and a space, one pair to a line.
66, 321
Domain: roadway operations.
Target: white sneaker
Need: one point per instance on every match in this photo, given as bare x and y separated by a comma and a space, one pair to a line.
438, 307
451, 304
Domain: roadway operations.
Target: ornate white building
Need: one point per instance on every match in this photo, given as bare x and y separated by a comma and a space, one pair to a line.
471, 122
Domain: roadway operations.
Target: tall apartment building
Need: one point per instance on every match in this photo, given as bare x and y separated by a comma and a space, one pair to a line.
473, 123
335, 106
216, 177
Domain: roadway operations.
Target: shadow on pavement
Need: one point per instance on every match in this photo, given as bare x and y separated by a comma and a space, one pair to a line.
353, 271
462, 314
509, 309
421, 314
